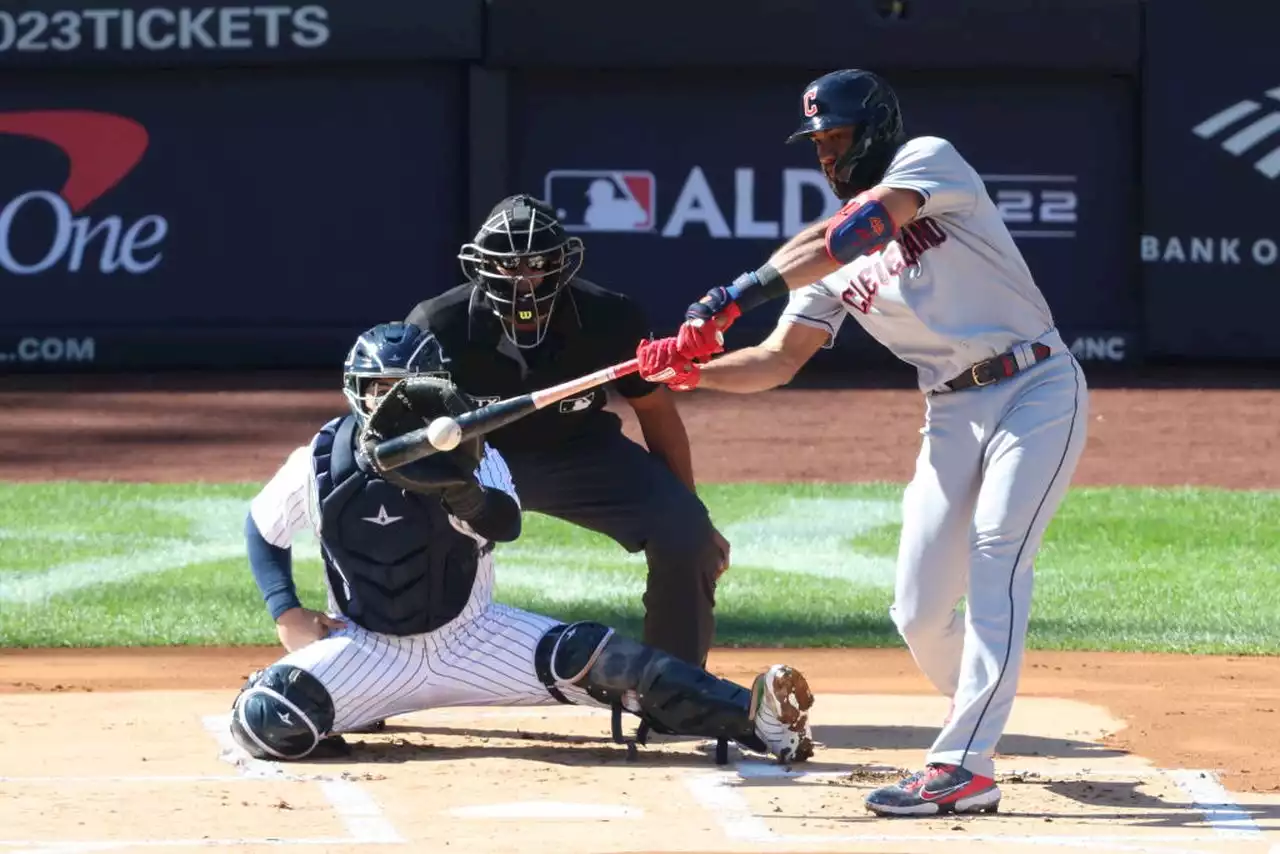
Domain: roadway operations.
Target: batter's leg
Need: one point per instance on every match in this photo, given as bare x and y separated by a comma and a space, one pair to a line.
933, 551
1028, 467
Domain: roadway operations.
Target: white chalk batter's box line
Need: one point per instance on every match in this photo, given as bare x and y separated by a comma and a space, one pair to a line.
717, 793
712, 790
359, 814
364, 822
356, 809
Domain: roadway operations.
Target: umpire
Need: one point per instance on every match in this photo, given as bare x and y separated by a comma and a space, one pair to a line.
522, 321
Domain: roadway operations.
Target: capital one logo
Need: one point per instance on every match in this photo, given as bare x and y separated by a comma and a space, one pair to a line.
1247, 137
101, 150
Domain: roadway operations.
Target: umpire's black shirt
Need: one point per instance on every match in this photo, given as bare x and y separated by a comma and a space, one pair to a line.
591, 328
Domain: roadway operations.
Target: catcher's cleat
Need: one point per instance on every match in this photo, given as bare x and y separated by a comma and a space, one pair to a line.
780, 703
331, 747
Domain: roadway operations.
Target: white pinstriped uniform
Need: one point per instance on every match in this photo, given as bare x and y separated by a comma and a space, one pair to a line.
483, 657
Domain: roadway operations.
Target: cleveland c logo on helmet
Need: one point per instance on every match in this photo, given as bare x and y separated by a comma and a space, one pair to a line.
810, 103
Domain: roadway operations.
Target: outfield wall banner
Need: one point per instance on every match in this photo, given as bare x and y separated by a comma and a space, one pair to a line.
76, 33
1210, 245
696, 185
160, 219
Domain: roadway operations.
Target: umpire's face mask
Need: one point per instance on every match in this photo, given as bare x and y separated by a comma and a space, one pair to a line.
522, 290
519, 261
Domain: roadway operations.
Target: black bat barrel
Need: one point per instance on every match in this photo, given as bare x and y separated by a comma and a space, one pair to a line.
415, 445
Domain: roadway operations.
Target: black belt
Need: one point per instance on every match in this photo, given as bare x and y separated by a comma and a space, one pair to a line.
995, 369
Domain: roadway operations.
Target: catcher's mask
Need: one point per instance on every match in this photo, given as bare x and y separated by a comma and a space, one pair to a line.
864, 103
389, 351
520, 259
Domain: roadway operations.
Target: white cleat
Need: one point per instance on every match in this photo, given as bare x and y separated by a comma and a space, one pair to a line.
780, 703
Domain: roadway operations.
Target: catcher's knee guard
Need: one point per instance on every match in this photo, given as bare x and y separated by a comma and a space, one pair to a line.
282, 712
666, 693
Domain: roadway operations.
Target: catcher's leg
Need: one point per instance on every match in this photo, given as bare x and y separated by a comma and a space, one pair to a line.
346, 682
675, 697
282, 712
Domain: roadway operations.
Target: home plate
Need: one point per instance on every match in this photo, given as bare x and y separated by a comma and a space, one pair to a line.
547, 809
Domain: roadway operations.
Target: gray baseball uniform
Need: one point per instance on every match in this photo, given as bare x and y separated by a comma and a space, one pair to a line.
951, 290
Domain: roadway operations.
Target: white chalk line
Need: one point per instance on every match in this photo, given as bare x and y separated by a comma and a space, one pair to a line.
1136, 844
124, 778
38, 846
359, 812
717, 792
232, 754
1213, 801
714, 792
356, 809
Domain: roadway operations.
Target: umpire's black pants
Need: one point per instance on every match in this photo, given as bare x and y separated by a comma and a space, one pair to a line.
612, 485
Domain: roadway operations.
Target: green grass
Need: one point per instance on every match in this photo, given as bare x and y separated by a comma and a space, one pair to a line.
1187, 570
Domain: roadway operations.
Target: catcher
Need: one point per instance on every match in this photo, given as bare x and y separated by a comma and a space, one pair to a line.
411, 623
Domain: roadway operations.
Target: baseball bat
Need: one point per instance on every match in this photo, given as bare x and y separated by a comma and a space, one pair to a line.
415, 445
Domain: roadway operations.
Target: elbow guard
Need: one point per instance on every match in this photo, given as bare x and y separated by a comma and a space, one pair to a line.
862, 226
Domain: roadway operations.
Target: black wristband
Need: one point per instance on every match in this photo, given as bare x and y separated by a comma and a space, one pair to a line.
758, 287
466, 502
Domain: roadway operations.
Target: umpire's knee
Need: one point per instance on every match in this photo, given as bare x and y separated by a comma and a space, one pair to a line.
681, 530
282, 713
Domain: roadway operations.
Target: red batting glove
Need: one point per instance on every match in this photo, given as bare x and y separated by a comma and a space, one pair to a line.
702, 334
662, 362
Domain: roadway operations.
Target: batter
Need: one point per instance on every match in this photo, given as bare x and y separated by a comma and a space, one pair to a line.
411, 622
920, 257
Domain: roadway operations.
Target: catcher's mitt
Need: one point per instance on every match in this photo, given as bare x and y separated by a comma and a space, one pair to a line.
413, 403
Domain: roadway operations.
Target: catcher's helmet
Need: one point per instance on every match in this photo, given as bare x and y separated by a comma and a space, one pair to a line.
863, 101
520, 259
389, 351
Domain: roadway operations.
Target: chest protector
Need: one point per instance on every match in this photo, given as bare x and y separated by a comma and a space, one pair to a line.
395, 564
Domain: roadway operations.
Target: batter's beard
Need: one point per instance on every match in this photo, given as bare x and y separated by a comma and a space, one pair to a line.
843, 190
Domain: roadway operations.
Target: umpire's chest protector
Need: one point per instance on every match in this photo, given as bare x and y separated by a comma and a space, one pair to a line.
395, 564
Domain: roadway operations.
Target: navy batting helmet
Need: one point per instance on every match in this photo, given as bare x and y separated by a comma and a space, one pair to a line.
520, 259
389, 351
860, 100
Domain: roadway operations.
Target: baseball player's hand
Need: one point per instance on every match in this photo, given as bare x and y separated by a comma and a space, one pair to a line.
298, 627
662, 362
702, 334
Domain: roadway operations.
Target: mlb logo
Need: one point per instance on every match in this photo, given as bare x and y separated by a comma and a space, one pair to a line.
577, 404
601, 199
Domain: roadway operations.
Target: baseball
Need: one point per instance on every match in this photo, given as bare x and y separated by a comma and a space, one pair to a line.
444, 434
